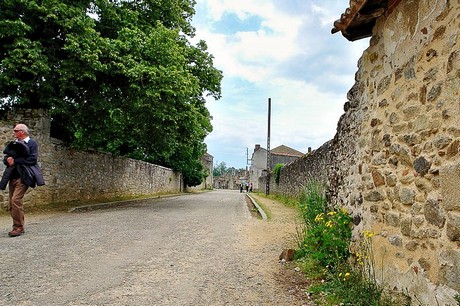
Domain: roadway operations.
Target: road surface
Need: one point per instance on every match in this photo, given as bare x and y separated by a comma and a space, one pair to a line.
197, 249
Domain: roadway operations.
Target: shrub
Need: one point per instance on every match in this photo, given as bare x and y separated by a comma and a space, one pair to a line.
277, 172
312, 202
324, 241
327, 232
328, 241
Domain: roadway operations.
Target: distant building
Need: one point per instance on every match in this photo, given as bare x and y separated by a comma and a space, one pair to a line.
258, 165
279, 155
231, 180
284, 155
207, 160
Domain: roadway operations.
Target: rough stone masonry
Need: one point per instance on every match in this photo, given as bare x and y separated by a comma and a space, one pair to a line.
395, 162
82, 177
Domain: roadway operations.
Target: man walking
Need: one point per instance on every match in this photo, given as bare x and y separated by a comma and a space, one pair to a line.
25, 173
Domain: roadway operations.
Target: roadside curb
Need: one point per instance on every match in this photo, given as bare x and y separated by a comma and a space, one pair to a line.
116, 203
259, 209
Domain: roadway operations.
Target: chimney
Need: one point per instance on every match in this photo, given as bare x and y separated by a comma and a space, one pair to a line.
257, 147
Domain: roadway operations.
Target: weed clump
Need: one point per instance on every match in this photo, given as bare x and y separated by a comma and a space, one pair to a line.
324, 254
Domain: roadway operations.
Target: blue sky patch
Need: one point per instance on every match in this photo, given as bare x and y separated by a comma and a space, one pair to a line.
230, 23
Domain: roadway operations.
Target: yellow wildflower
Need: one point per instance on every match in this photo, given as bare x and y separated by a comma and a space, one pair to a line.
368, 234
319, 217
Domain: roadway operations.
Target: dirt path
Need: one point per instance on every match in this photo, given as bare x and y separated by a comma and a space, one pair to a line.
269, 238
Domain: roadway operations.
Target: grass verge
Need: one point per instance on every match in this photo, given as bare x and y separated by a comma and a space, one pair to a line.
324, 256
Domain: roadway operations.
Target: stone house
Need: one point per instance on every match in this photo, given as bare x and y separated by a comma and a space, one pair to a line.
394, 162
258, 166
279, 155
222, 182
284, 155
231, 180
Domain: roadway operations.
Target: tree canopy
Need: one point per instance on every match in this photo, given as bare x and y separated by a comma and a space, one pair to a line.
222, 169
118, 76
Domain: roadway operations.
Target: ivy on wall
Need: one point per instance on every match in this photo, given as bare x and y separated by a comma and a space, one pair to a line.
277, 172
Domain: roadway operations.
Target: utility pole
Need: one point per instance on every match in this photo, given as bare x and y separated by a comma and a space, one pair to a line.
269, 159
247, 156
247, 163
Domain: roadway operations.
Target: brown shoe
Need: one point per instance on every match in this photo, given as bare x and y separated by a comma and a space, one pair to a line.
19, 228
16, 232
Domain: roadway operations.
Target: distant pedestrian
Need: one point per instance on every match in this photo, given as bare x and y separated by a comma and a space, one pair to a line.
241, 187
250, 187
22, 172
247, 187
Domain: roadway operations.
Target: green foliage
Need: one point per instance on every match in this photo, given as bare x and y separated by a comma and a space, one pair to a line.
348, 285
457, 299
356, 285
312, 202
329, 238
117, 76
324, 255
221, 169
286, 200
277, 172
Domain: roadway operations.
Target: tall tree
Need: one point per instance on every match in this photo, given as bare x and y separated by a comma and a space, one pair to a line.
118, 76
220, 169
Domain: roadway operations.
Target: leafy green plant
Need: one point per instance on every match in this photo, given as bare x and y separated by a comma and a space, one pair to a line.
277, 172
351, 288
324, 255
106, 70
328, 240
312, 202
328, 232
356, 285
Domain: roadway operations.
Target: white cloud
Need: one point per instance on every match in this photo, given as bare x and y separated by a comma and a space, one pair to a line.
290, 57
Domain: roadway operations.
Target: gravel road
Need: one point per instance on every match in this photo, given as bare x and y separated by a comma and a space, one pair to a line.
197, 249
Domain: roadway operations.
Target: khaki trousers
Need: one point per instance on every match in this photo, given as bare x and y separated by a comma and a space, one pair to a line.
17, 191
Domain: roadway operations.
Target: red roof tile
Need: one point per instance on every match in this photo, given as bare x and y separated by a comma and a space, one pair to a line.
358, 20
287, 151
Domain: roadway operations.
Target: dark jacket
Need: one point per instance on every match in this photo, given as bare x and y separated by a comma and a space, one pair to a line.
25, 164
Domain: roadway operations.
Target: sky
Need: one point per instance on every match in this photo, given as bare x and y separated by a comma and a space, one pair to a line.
282, 50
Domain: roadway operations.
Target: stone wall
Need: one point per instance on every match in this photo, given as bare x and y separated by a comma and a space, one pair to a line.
395, 162
404, 114
293, 176
76, 176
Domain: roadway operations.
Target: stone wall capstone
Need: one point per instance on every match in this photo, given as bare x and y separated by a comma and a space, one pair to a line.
77, 176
